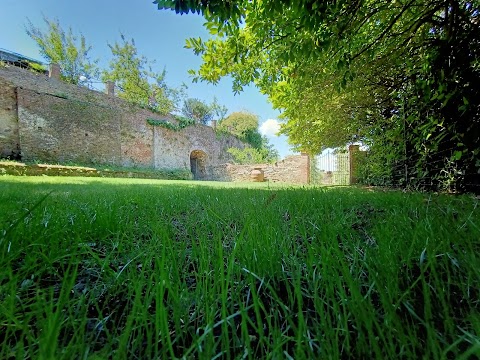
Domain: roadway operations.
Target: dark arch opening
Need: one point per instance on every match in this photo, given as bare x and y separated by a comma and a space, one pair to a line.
198, 160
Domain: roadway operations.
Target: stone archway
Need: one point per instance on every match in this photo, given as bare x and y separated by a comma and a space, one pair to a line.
198, 162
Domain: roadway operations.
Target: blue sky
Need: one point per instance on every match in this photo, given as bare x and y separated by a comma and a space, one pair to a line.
159, 35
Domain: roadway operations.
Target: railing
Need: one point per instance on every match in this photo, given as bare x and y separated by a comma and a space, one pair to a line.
332, 168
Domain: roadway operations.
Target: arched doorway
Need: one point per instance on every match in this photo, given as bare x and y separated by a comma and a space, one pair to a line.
198, 160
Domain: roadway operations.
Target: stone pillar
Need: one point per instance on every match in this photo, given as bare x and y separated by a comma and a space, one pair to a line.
110, 88
353, 152
308, 166
54, 71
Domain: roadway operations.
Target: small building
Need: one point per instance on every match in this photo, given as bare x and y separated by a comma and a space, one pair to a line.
20, 60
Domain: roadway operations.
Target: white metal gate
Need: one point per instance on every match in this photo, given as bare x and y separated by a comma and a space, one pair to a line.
332, 167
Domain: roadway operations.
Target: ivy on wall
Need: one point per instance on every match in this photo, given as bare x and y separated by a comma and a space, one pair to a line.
183, 122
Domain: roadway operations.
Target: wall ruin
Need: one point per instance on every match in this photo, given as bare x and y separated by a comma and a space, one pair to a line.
45, 119
293, 169
9, 137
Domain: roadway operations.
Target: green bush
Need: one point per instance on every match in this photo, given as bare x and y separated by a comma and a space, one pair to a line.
249, 156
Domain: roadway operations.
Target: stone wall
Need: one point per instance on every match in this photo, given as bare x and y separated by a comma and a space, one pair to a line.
9, 138
293, 169
174, 147
49, 120
56, 129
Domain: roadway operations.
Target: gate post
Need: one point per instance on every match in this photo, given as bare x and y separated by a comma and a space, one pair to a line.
353, 151
308, 169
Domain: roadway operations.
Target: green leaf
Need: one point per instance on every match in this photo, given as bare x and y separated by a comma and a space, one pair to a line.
457, 155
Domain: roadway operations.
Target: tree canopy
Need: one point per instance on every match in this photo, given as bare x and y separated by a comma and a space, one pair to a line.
136, 81
197, 110
244, 125
202, 112
402, 76
66, 49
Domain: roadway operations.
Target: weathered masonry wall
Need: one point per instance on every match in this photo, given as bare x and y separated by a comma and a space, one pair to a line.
55, 129
171, 146
9, 138
293, 169
44, 119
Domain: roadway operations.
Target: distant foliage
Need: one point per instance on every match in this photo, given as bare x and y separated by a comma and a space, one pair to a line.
246, 156
183, 122
270, 153
202, 112
67, 50
253, 156
137, 82
243, 125
197, 110
219, 111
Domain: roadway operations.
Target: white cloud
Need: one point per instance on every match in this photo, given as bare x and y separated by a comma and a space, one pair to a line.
271, 127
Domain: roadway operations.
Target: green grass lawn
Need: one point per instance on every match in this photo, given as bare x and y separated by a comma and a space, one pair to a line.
95, 268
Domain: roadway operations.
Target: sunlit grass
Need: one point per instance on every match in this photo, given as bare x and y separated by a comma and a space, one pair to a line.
96, 268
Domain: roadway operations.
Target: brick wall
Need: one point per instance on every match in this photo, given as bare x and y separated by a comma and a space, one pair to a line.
58, 130
136, 138
174, 147
9, 140
55, 122
293, 169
